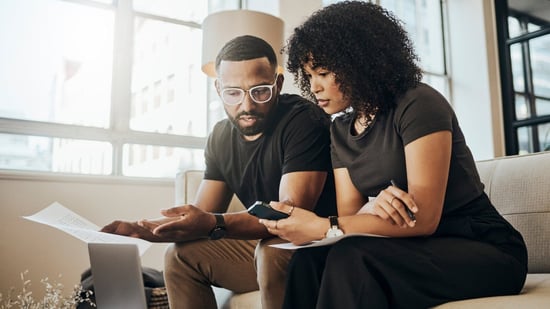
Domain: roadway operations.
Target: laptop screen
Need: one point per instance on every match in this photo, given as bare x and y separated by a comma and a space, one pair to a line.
116, 271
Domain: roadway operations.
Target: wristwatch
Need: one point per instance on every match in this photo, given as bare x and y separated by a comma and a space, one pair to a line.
334, 230
218, 232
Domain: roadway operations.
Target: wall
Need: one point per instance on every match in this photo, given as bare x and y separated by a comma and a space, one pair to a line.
47, 252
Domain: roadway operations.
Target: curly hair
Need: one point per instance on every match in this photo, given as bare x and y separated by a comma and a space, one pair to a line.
366, 48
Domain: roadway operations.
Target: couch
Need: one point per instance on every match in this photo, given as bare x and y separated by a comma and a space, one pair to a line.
519, 186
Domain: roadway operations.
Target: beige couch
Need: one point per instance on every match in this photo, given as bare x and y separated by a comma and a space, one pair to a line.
519, 186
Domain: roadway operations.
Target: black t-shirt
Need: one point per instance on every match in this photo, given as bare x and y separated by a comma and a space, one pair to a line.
377, 155
297, 138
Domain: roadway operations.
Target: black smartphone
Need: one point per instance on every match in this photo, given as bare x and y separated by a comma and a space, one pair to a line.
264, 211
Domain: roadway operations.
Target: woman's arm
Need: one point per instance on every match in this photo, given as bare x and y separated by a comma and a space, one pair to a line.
348, 198
427, 162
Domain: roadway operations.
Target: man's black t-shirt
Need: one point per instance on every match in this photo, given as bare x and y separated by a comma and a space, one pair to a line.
296, 139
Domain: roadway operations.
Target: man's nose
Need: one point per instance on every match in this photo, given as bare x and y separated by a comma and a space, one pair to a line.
247, 104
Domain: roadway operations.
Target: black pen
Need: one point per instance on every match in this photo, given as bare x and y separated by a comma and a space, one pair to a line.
409, 212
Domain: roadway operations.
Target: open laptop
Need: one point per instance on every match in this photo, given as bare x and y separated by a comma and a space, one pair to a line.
116, 271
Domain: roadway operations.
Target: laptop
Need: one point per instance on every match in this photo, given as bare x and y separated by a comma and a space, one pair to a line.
116, 271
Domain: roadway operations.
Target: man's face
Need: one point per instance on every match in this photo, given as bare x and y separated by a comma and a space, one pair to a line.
247, 115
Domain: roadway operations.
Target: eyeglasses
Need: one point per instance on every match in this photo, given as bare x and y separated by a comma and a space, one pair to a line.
259, 94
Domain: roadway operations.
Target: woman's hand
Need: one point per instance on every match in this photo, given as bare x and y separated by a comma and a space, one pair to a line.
390, 205
301, 227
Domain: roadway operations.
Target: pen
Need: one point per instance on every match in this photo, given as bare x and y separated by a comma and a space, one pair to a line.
409, 212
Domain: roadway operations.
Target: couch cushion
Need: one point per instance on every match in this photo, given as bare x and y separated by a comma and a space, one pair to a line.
519, 187
535, 294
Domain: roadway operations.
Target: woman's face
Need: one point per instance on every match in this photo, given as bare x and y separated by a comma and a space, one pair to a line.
325, 89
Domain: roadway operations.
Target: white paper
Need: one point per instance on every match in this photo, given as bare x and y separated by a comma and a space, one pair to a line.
56, 215
322, 242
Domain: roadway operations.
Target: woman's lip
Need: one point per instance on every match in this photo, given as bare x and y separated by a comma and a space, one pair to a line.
322, 103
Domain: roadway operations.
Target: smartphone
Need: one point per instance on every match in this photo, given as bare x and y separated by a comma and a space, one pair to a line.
264, 211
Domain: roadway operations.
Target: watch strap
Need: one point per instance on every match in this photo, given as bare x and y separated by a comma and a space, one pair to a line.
220, 220
218, 231
333, 222
334, 229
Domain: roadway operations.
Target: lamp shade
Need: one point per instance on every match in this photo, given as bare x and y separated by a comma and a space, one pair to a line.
220, 27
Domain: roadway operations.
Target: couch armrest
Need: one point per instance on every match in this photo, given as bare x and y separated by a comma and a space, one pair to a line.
186, 186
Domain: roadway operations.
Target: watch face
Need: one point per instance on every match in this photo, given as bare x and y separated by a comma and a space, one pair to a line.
217, 233
334, 232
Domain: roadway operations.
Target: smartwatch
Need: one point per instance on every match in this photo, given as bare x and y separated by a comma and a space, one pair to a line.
218, 232
334, 230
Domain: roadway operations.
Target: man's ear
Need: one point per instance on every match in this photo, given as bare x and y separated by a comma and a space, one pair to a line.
216, 84
280, 81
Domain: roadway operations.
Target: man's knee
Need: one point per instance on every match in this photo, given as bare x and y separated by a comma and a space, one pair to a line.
172, 263
170, 259
271, 263
179, 259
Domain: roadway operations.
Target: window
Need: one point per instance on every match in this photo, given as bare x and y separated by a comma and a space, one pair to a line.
524, 47
109, 87
423, 21
104, 87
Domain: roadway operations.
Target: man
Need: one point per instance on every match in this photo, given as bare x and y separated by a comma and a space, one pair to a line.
271, 147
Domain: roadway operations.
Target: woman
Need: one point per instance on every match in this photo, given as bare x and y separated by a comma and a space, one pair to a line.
445, 240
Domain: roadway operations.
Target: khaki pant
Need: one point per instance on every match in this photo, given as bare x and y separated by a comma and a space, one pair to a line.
191, 268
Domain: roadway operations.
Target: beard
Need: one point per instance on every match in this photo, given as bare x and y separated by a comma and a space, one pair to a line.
257, 128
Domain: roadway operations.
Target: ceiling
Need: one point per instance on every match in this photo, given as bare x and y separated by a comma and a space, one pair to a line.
536, 8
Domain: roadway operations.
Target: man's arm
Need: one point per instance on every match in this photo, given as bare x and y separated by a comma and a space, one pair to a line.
213, 196
184, 222
296, 188
302, 189
197, 220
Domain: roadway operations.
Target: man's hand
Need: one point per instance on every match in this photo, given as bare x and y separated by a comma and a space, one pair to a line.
181, 223
131, 229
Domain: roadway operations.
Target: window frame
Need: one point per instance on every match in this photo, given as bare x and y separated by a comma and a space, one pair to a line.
510, 122
118, 133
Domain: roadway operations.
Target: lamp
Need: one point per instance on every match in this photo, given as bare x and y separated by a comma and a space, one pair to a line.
220, 27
